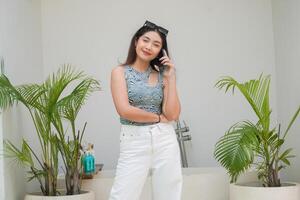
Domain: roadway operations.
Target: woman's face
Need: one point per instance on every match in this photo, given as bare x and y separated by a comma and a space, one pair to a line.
148, 46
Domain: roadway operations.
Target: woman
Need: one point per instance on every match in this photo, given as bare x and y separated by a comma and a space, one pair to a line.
145, 97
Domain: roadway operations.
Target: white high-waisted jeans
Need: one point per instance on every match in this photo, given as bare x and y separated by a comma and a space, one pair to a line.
143, 148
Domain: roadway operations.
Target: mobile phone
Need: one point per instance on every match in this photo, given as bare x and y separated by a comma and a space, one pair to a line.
157, 62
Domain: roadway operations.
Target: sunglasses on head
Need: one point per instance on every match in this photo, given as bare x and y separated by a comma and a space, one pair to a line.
154, 26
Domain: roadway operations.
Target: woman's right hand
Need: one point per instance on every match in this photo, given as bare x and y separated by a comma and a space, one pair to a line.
163, 118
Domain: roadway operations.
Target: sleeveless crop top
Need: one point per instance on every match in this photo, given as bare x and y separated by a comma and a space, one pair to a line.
141, 94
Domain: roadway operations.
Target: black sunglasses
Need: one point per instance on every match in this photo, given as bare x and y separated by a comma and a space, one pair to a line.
154, 26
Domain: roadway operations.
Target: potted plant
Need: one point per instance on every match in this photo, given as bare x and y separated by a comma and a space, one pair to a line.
50, 106
256, 144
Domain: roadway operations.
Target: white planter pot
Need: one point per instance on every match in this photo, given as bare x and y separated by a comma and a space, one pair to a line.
87, 195
253, 191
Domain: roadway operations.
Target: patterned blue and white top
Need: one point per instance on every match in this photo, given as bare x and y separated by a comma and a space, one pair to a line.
141, 94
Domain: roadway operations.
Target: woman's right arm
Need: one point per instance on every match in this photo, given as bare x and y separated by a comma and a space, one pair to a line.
120, 97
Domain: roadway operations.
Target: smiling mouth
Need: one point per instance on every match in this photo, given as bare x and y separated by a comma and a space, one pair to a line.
148, 54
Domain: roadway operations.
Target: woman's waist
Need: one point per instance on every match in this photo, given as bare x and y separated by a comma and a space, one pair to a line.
145, 128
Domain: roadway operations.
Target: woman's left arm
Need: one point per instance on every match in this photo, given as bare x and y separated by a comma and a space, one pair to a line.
171, 104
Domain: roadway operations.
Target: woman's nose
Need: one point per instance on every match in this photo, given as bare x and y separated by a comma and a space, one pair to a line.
148, 47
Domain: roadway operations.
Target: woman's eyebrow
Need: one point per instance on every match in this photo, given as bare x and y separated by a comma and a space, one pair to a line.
154, 40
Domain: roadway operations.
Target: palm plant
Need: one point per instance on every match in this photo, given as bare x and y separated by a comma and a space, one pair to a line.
256, 144
49, 105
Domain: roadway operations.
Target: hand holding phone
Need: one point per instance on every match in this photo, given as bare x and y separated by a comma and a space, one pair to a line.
164, 54
167, 65
158, 62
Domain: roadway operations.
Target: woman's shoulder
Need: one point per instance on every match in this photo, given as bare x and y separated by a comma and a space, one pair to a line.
118, 71
119, 68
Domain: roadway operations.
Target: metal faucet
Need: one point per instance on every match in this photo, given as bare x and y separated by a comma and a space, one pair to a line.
181, 139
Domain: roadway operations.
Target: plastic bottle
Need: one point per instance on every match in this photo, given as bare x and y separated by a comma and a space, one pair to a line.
88, 163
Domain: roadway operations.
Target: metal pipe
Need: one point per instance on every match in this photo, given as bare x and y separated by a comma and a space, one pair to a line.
181, 139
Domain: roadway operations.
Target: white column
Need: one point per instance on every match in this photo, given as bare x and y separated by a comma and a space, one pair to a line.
1, 161
2, 191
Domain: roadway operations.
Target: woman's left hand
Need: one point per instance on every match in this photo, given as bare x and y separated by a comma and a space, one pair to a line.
170, 69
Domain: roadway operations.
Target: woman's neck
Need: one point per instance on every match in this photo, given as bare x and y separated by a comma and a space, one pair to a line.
140, 65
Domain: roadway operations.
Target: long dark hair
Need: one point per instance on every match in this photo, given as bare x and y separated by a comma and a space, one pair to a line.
132, 53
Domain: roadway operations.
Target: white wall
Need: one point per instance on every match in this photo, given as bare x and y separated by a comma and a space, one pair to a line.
286, 17
21, 48
207, 39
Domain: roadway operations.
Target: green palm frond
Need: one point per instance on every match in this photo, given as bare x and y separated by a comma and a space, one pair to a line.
32, 93
286, 155
35, 174
42, 127
291, 122
27, 94
255, 91
70, 105
8, 94
22, 156
57, 83
236, 149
